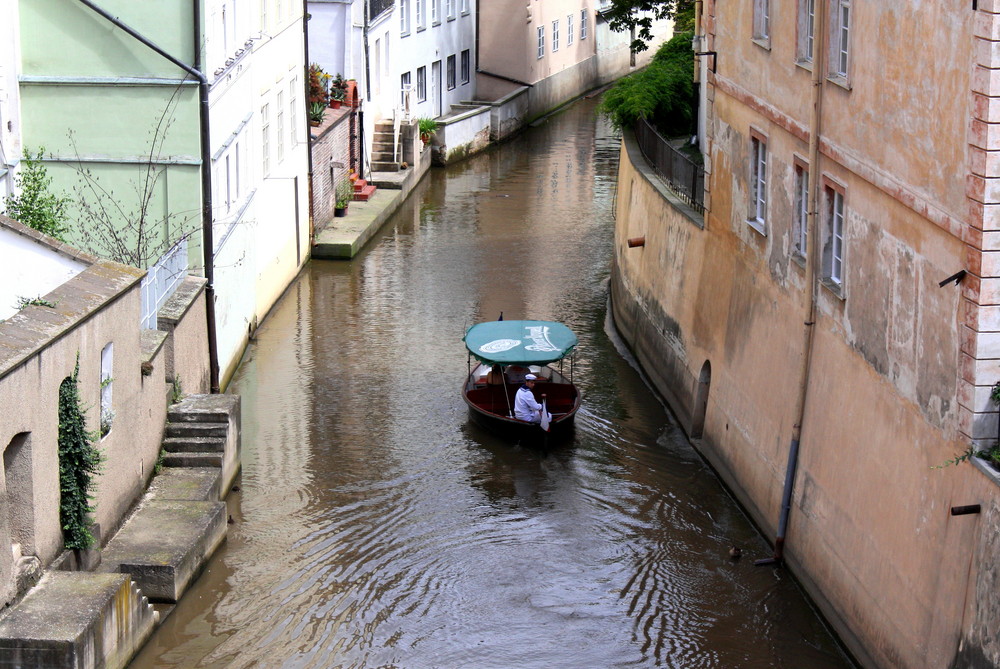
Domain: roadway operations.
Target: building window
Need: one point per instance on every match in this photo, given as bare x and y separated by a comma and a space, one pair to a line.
293, 90
800, 232
449, 9
421, 84
555, 36
762, 21
465, 7
806, 41
840, 39
265, 143
465, 66
107, 379
435, 12
404, 17
451, 71
583, 24
833, 248
541, 41
569, 29
280, 126
404, 90
758, 184
421, 11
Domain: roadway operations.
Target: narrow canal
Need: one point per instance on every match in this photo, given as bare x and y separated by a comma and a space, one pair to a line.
375, 526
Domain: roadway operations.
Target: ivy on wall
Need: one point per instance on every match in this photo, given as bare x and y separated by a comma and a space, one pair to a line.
79, 463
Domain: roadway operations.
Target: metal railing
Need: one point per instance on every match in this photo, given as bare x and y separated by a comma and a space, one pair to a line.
685, 178
161, 281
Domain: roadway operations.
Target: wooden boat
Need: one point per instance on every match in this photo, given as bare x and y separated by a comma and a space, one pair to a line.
501, 353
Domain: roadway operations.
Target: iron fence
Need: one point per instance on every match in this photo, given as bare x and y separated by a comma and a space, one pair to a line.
685, 178
161, 281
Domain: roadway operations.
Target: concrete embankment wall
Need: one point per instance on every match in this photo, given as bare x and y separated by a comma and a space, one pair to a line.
870, 533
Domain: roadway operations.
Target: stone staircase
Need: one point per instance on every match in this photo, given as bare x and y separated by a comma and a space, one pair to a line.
363, 190
383, 157
194, 439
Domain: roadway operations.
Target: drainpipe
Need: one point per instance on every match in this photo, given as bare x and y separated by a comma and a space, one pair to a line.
812, 262
206, 169
364, 35
305, 82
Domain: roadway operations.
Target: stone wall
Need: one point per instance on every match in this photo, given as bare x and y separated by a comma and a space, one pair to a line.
332, 159
869, 529
39, 347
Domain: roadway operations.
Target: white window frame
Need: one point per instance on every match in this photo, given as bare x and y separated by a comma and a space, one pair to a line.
279, 126
404, 18
833, 249
806, 46
435, 12
762, 22
800, 219
420, 10
555, 35
449, 9
540, 31
757, 217
840, 39
569, 30
464, 7
422, 83
583, 24
265, 138
293, 96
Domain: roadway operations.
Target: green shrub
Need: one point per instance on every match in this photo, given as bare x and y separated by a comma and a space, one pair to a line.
33, 204
663, 93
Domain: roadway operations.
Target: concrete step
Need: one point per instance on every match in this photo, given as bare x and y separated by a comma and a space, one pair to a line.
384, 166
194, 444
196, 430
364, 194
165, 544
203, 409
77, 619
192, 460
199, 484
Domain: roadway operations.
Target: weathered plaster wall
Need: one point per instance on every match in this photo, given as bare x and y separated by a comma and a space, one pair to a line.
870, 534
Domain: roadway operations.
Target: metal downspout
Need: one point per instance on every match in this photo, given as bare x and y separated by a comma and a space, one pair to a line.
206, 169
812, 262
305, 78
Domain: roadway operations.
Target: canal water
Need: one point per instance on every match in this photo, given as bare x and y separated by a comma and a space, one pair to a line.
375, 526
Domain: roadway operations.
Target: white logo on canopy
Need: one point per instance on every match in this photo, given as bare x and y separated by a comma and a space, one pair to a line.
539, 335
499, 345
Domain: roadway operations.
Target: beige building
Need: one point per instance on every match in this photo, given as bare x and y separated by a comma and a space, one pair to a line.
560, 49
837, 307
88, 312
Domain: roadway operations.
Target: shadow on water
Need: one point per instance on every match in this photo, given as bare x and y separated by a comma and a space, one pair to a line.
376, 526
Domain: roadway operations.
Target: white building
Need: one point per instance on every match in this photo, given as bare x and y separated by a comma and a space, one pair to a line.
10, 131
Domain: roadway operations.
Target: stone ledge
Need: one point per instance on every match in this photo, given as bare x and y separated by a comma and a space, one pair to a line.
165, 544
77, 619
174, 309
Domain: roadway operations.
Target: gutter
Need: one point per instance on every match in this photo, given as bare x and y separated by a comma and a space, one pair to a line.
206, 169
813, 258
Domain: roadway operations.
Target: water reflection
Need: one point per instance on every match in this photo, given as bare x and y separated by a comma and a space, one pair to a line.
376, 526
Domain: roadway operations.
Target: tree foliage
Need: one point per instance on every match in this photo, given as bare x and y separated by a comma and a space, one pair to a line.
637, 17
79, 463
663, 93
33, 204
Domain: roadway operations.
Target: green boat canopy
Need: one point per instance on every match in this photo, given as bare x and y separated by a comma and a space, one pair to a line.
519, 342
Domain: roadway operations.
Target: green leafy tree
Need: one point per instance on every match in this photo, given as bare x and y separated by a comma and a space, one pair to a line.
637, 16
34, 204
79, 464
663, 93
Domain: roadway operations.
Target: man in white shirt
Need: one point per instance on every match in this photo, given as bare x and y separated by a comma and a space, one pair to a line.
526, 407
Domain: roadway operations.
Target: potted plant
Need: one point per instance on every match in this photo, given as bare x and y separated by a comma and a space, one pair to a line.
319, 85
338, 91
317, 110
426, 127
342, 197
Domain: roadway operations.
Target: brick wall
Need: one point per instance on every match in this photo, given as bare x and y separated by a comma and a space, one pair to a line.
332, 158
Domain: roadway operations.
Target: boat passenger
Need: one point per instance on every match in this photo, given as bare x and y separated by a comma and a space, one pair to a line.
526, 407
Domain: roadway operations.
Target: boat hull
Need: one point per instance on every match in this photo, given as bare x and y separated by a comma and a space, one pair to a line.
491, 406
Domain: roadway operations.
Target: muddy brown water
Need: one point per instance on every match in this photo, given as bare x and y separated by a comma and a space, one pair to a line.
376, 526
